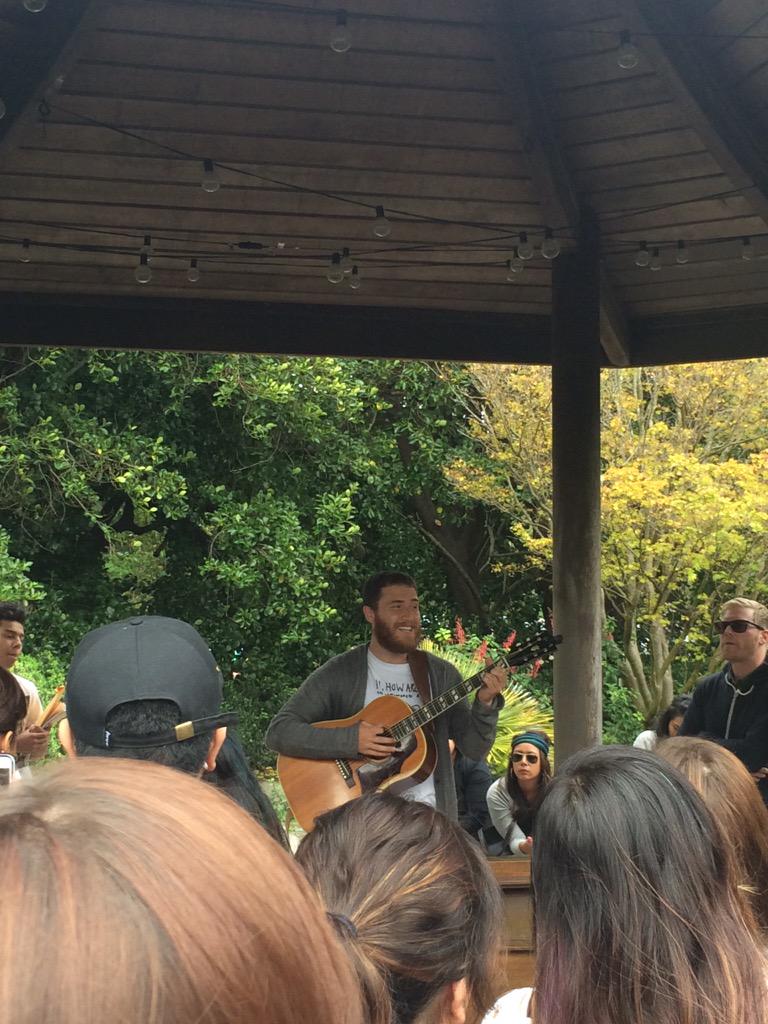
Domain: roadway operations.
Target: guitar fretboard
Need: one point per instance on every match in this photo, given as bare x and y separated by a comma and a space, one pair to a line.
542, 647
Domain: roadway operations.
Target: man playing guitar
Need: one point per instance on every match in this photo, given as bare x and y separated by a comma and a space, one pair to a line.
346, 684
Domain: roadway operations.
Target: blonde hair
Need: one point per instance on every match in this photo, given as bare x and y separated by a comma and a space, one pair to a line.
134, 893
759, 611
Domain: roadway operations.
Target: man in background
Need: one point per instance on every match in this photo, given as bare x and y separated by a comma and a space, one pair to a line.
31, 742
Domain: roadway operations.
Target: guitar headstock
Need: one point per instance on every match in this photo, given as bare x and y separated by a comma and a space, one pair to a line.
542, 646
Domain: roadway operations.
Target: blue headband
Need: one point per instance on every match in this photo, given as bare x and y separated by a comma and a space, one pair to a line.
534, 738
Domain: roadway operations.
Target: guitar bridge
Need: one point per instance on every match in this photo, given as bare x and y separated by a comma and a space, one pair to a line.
346, 772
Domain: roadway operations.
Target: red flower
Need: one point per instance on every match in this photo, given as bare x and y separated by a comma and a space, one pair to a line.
481, 652
459, 635
535, 667
510, 640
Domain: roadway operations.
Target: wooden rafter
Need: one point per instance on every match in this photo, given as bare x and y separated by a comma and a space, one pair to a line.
520, 80
720, 121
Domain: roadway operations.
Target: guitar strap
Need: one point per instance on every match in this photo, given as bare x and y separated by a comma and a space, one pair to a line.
417, 662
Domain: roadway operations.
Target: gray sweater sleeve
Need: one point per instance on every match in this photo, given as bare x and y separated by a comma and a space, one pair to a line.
319, 699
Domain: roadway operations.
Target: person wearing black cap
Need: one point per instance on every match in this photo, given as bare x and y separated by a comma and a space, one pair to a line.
149, 689
146, 688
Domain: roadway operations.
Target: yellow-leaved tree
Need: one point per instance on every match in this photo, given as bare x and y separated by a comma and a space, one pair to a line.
684, 499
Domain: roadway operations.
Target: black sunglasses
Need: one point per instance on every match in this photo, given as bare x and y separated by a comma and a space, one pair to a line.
737, 625
528, 758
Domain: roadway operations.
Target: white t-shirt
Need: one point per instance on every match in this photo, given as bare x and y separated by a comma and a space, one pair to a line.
646, 740
511, 1008
386, 679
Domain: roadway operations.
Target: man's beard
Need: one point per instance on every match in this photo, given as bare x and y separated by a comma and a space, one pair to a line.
391, 641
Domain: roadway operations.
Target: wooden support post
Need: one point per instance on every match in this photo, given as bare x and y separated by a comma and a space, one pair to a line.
576, 492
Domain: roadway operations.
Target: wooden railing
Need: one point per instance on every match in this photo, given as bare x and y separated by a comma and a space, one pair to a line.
517, 957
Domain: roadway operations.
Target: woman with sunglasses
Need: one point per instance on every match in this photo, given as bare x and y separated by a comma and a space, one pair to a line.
730, 707
514, 799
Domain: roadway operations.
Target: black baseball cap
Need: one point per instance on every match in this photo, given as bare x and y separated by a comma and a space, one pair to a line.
145, 658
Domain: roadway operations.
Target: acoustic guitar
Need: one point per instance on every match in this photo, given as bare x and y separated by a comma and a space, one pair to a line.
314, 785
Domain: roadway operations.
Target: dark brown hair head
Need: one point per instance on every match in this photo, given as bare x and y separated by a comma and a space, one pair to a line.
134, 893
13, 703
731, 794
423, 906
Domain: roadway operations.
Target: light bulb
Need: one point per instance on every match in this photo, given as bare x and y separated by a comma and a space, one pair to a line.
524, 247
655, 260
210, 182
26, 255
354, 279
146, 248
514, 266
681, 256
341, 37
346, 260
143, 272
193, 274
35, 6
3, 109
746, 249
335, 272
628, 56
643, 257
381, 226
550, 247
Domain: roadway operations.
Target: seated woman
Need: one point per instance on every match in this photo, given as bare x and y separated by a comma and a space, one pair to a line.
637, 915
733, 798
514, 799
136, 894
416, 903
667, 724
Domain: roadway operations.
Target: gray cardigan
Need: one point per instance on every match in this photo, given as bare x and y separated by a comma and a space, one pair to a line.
337, 690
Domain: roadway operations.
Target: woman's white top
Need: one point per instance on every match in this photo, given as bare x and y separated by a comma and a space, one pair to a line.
500, 810
511, 1008
646, 740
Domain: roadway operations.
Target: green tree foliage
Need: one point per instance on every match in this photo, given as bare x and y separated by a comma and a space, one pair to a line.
248, 495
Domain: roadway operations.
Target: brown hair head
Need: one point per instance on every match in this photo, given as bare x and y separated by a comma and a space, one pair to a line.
13, 703
423, 905
513, 786
135, 893
733, 798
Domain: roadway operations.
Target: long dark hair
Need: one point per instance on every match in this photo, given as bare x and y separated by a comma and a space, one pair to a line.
637, 915
415, 901
676, 709
523, 809
234, 777
13, 702
729, 791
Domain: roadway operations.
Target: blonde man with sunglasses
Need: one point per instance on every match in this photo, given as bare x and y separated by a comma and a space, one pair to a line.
730, 707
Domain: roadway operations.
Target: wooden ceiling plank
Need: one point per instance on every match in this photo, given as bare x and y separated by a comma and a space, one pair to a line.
517, 64
704, 336
632, 148
711, 110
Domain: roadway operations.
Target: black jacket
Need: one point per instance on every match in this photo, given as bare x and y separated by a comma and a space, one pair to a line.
736, 718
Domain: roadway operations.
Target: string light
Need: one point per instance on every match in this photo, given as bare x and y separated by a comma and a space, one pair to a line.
341, 37
381, 226
335, 272
655, 263
3, 109
193, 274
550, 247
25, 256
524, 247
354, 279
514, 266
35, 6
146, 248
210, 182
143, 271
346, 260
681, 256
746, 249
643, 257
628, 56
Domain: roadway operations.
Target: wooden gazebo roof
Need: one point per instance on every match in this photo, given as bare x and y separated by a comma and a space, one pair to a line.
468, 121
